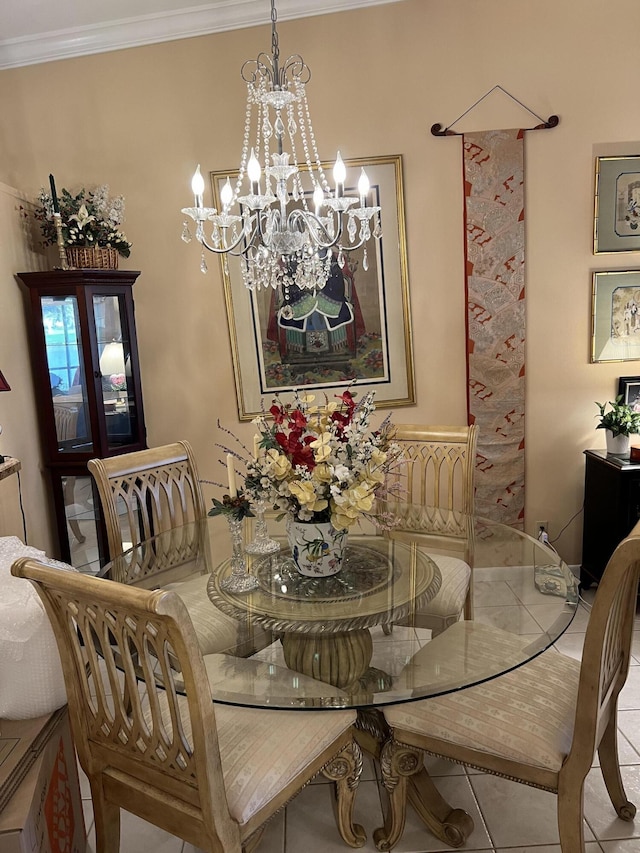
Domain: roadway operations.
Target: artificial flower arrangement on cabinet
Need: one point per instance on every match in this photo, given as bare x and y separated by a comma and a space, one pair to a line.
321, 466
90, 225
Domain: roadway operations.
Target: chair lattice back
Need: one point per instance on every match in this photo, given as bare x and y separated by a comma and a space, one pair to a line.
117, 645
435, 478
66, 419
607, 646
147, 493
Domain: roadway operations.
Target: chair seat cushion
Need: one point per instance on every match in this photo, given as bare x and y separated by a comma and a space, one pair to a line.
216, 632
526, 715
261, 750
450, 598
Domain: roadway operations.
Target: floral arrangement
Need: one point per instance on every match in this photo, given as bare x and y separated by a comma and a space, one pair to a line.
237, 507
88, 219
321, 463
621, 419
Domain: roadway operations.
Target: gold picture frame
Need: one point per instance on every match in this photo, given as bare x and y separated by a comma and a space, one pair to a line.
379, 355
615, 316
616, 226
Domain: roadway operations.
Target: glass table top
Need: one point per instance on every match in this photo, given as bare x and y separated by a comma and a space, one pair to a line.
365, 637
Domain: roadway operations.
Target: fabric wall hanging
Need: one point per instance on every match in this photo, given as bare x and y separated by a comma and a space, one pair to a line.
494, 224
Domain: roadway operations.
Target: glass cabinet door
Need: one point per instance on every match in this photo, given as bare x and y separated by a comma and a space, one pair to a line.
114, 356
67, 377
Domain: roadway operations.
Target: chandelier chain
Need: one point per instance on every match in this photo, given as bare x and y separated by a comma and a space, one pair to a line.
275, 49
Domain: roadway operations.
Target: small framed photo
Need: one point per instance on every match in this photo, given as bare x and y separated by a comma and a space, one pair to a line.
629, 390
615, 316
617, 205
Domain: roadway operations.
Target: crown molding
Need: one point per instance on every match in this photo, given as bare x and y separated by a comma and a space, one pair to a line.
164, 26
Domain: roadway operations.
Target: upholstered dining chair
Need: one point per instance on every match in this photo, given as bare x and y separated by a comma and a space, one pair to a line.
151, 740
435, 485
149, 492
539, 724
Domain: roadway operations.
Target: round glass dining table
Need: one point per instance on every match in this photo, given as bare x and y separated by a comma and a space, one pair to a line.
366, 637
357, 639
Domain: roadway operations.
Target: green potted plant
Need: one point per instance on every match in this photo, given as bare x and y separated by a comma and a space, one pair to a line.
620, 422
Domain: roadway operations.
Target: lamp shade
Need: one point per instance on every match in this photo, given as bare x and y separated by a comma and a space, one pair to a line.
112, 359
4, 385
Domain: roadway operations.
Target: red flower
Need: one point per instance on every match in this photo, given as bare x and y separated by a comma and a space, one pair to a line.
297, 420
297, 451
278, 413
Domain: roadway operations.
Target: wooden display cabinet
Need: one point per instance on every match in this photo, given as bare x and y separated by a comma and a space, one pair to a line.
87, 379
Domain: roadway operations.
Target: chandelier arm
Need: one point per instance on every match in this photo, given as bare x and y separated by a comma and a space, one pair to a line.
223, 250
310, 219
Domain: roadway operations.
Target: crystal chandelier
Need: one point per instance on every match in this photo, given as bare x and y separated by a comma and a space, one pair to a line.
280, 240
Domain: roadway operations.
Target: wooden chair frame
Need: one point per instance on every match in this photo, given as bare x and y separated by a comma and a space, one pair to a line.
602, 674
156, 752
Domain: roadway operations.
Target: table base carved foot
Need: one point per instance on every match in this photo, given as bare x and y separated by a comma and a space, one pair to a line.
405, 778
345, 770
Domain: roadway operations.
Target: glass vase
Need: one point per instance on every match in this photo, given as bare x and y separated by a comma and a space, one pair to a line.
262, 543
240, 580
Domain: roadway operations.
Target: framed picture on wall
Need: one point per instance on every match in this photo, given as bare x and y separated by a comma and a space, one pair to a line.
629, 390
615, 320
617, 205
371, 349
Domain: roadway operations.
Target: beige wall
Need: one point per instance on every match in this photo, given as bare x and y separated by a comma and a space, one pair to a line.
140, 119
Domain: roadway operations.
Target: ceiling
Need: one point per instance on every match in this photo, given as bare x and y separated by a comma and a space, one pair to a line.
41, 30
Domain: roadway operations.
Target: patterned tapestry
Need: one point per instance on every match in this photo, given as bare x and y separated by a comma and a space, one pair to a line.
494, 229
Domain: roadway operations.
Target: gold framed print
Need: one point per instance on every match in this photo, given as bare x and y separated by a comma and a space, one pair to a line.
615, 329
369, 348
617, 205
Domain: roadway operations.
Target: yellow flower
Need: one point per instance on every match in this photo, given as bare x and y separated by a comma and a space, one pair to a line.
322, 473
306, 496
279, 464
322, 447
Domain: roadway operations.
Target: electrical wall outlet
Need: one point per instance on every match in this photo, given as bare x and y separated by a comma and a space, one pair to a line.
540, 524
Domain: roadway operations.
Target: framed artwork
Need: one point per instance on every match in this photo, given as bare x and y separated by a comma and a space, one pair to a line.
629, 390
617, 205
615, 320
371, 348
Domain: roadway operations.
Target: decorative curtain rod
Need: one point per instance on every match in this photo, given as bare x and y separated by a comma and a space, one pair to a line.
552, 121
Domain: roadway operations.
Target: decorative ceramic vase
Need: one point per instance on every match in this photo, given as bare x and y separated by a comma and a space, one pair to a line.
317, 548
617, 445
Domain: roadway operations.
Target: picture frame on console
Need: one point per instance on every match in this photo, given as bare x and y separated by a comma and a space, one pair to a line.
629, 390
617, 205
615, 316
374, 349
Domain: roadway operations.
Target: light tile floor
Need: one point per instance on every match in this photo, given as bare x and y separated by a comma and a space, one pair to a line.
508, 818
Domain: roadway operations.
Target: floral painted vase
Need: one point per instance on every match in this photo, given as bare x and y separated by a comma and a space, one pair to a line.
317, 548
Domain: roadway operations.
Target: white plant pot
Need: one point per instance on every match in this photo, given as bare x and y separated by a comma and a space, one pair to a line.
617, 445
317, 549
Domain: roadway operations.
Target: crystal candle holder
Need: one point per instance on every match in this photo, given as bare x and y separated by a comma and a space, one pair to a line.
240, 580
262, 543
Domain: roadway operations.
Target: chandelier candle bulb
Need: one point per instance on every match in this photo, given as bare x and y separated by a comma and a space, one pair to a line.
363, 187
253, 172
231, 474
197, 186
318, 198
339, 175
226, 195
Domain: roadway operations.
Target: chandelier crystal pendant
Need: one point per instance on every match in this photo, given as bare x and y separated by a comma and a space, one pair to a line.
269, 224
